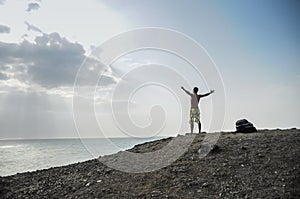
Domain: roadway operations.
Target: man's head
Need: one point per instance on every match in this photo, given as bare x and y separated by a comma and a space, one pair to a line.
195, 90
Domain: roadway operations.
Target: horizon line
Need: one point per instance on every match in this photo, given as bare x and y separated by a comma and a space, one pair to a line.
118, 137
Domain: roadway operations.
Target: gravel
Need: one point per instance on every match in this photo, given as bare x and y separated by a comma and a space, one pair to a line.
265, 164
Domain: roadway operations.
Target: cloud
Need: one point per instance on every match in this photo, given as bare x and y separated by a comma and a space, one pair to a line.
50, 61
3, 76
32, 6
4, 29
2, 2
32, 27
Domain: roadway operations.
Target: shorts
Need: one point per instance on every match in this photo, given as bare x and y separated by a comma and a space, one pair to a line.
194, 115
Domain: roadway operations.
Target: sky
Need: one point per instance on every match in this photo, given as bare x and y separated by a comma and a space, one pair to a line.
254, 46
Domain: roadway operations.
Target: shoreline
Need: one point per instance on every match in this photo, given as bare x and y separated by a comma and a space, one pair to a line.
19, 156
262, 164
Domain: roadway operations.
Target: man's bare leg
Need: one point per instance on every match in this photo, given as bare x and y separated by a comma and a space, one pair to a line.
199, 127
192, 127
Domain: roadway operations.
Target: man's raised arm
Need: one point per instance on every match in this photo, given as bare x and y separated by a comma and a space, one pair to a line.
187, 92
207, 94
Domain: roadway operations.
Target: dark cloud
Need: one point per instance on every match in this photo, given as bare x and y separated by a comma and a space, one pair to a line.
4, 29
32, 6
56, 60
51, 61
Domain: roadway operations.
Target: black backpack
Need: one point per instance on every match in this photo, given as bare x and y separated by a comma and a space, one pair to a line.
244, 126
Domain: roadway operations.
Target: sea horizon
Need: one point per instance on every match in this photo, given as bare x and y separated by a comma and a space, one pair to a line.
70, 138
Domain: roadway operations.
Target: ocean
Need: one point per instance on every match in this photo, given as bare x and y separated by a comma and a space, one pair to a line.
18, 156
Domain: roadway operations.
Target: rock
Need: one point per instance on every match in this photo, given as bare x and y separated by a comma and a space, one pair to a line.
215, 148
260, 155
208, 148
155, 193
243, 147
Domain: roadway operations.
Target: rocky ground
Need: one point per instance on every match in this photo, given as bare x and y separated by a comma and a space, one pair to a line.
265, 164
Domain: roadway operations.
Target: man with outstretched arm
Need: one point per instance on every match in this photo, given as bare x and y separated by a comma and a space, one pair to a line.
195, 112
